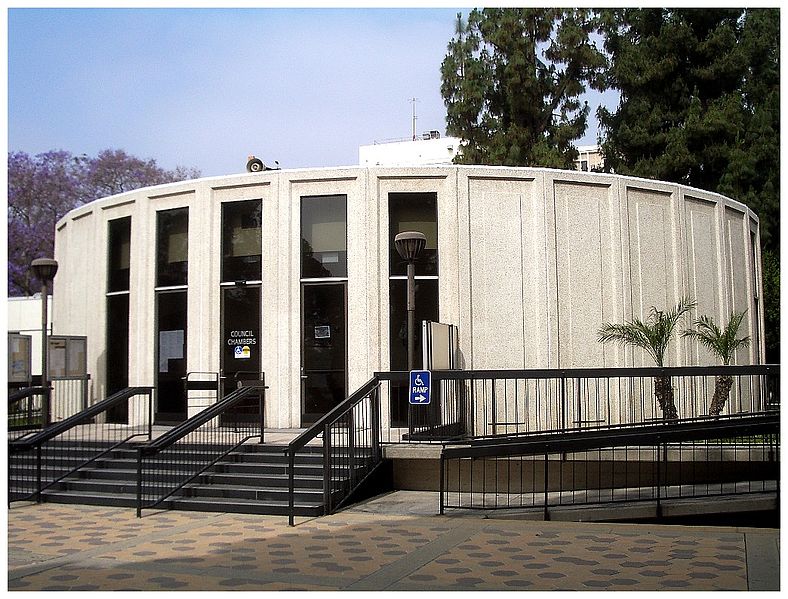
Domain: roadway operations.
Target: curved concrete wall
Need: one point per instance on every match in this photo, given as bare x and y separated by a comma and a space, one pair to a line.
532, 262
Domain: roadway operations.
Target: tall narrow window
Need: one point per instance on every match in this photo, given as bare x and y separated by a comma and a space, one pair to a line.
242, 241
323, 305
172, 275
119, 254
410, 212
117, 354
241, 276
172, 247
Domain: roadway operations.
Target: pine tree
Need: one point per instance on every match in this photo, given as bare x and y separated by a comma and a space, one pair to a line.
511, 82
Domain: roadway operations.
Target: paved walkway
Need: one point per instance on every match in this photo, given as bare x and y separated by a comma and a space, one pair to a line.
391, 543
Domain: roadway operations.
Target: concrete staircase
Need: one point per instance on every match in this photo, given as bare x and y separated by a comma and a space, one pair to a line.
252, 479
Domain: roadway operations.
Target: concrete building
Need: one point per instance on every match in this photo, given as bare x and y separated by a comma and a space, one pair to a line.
293, 273
589, 158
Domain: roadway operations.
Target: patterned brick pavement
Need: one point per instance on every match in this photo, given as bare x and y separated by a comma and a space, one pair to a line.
64, 547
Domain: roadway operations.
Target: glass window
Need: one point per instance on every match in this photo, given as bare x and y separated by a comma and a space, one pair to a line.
172, 247
119, 254
324, 236
242, 241
414, 212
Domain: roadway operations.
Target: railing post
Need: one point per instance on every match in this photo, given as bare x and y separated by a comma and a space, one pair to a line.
442, 483
659, 481
351, 446
546, 485
150, 414
262, 412
38, 473
139, 483
563, 400
291, 487
376, 424
326, 469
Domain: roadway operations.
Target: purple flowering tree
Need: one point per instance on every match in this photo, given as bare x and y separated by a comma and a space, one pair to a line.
44, 187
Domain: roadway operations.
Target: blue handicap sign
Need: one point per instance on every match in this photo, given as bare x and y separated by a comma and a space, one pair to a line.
419, 389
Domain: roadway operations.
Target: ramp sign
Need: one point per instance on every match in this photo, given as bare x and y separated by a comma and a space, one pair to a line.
420, 387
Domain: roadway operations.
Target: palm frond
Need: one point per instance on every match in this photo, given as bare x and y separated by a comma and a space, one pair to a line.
653, 335
722, 343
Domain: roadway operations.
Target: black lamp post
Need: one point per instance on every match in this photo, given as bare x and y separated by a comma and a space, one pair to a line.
409, 245
44, 270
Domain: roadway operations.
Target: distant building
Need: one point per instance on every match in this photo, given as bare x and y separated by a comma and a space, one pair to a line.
429, 149
589, 159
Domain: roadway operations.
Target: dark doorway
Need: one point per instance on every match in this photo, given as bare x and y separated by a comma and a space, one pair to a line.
241, 346
323, 349
170, 357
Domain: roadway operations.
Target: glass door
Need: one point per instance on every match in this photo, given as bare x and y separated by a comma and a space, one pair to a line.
170, 357
241, 347
323, 348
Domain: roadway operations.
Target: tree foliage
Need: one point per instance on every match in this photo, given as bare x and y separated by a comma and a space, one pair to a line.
44, 187
512, 81
652, 335
723, 343
699, 101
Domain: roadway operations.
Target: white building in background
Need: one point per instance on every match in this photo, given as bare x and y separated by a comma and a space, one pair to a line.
589, 159
429, 149
24, 317
293, 274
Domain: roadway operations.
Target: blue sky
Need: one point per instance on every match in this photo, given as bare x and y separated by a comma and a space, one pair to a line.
204, 88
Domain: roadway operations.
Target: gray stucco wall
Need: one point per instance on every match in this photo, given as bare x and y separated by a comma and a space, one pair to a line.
532, 262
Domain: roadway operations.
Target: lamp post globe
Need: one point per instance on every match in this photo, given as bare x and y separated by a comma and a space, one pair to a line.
44, 269
409, 245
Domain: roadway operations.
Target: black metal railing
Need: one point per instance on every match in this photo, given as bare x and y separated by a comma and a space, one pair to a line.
351, 448
652, 461
38, 461
26, 410
173, 460
479, 403
69, 395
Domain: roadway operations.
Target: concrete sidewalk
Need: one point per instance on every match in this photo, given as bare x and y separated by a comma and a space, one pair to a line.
390, 543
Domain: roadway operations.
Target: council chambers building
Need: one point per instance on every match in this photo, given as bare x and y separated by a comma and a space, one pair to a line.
293, 274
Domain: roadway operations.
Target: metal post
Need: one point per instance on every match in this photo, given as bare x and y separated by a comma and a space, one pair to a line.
38, 474
291, 487
659, 483
44, 352
262, 414
546, 488
411, 313
139, 483
326, 469
376, 424
442, 483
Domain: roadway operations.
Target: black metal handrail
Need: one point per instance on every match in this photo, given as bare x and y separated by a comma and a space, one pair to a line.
653, 433
78, 448
29, 417
754, 435
588, 373
475, 403
342, 414
210, 447
82, 417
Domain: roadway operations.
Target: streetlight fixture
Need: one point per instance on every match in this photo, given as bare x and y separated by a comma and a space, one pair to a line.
409, 245
44, 270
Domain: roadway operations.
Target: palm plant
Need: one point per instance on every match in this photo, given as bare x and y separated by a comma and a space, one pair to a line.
723, 343
653, 336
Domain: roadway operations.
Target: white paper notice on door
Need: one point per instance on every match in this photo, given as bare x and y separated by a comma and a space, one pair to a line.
170, 348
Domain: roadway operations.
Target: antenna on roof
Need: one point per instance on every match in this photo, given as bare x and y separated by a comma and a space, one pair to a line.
413, 101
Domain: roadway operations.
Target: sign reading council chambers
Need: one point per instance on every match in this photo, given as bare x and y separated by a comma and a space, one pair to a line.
242, 338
